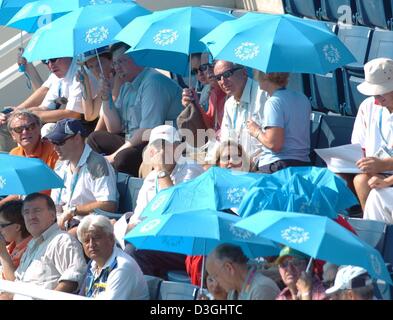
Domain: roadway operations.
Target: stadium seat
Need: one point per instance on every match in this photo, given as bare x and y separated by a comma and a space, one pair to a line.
381, 45
170, 290
383, 290
327, 92
301, 8
388, 247
300, 82
178, 276
335, 131
335, 10
375, 13
353, 98
128, 188
371, 231
153, 284
315, 128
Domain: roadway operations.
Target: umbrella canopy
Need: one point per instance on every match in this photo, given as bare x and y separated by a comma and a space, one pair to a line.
278, 43
216, 189
20, 175
34, 15
81, 30
8, 8
165, 39
300, 189
187, 233
318, 237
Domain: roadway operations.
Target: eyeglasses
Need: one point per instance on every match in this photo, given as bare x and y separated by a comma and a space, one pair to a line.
28, 127
227, 74
297, 263
59, 144
201, 68
4, 225
53, 60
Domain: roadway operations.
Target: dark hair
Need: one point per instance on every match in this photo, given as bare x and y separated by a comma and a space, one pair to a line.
106, 55
23, 114
49, 202
230, 252
117, 46
12, 212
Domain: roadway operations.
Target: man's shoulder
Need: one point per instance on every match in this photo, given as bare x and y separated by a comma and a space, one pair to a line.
97, 165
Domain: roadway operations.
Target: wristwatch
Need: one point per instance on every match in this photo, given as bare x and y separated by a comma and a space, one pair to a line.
162, 174
73, 211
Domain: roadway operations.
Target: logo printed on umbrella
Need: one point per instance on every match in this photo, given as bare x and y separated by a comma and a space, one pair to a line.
247, 51
295, 235
150, 225
235, 195
3, 182
94, 2
331, 53
375, 264
173, 241
165, 37
96, 35
160, 200
240, 233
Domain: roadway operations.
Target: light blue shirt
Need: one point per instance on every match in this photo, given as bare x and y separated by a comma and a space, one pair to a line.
148, 101
289, 110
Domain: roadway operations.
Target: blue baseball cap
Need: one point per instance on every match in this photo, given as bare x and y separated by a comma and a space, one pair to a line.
66, 128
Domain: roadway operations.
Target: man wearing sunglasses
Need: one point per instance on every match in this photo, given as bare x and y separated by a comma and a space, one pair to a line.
246, 101
89, 180
24, 128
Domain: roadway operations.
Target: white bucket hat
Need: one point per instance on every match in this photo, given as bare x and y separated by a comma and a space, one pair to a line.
345, 279
378, 77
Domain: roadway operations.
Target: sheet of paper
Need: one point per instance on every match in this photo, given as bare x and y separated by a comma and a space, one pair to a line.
343, 158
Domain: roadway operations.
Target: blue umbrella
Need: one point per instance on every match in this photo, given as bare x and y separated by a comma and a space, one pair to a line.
20, 175
8, 8
197, 232
165, 39
36, 14
300, 189
278, 43
216, 189
319, 237
81, 30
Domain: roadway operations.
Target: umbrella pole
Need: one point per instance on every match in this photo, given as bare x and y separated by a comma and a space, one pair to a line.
189, 72
110, 100
309, 265
203, 264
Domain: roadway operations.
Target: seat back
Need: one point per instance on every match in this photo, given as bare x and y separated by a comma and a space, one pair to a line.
301, 8
381, 45
315, 128
299, 82
353, 98
388, 246
153, 284
170, 290
335, 10
375, 13
128, 188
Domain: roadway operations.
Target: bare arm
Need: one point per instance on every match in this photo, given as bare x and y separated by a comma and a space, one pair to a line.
36, 80
67, 286
56, 115
8, 198
91, 105
35, 99
273, 138
6, 262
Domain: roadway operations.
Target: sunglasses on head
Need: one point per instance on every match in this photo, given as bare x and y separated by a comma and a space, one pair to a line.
53, 60
28, 127
227, 74
62, 143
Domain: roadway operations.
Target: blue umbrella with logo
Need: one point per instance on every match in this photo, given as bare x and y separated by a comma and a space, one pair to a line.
20, 175
278, 43
82, 30
165, 39
216, 189
319, 237
8, 8
34, 15
299, 189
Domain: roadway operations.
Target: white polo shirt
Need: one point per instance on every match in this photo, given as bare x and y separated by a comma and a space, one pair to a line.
93, 180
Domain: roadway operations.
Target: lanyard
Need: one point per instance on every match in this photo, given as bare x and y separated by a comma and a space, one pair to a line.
97, 285
250, 277
74, 181
380, 128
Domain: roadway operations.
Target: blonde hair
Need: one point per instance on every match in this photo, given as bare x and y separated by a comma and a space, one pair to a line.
246, 162
278, 78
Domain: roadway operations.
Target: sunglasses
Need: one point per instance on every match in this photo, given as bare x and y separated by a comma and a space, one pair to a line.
4, 225
28, 127
62, 143
297, 263
201, 68
53, 60
227, 74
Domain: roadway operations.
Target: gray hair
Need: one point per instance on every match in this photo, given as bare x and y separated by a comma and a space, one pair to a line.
23, 114
92, 222
226, 251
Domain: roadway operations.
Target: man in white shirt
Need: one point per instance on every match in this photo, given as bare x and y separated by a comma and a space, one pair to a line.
246, 101
112, 274
89, 180
170, 168
53, 259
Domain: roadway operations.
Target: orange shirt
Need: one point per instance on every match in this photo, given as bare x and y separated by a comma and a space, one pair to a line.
16, 251
44, 151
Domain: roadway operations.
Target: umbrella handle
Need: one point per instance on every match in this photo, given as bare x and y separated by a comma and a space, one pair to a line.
203, 264
309, 265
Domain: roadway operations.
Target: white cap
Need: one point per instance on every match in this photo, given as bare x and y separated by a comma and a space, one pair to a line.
345, 279
164, 132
